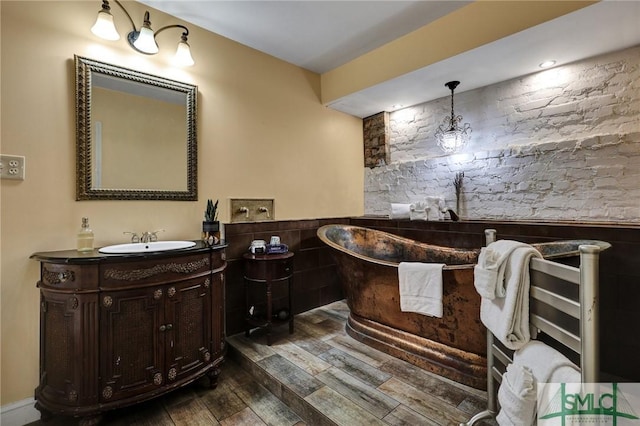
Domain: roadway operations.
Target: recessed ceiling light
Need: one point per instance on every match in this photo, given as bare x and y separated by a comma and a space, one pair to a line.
547, 64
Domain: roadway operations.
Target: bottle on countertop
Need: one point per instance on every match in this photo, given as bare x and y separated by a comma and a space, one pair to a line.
85, 237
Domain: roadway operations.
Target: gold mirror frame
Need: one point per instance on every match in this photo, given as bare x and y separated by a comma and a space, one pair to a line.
84, 189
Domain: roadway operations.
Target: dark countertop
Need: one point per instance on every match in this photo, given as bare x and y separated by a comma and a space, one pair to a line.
74, 257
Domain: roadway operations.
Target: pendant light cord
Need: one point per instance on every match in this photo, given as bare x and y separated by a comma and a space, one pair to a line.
452, 116
452, 86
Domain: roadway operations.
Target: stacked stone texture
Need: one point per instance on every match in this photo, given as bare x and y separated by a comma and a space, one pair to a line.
562, 144
376, 140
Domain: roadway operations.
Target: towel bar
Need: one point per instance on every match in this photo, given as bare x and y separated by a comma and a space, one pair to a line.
572, 322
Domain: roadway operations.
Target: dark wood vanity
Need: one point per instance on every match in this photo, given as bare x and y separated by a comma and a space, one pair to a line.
116, 330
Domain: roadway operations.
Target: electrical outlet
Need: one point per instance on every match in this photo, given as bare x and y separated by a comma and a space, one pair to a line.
12, 167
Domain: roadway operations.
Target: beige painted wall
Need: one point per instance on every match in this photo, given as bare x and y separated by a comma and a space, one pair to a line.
262, 133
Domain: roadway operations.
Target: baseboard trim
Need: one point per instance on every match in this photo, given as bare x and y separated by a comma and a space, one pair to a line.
19, 413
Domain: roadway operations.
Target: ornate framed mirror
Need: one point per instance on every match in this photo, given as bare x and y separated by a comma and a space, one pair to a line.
135, 135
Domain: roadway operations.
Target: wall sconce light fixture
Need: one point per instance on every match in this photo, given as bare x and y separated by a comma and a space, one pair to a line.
451, 137
144, 40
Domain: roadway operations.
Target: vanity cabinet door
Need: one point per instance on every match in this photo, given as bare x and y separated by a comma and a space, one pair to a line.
67, 334
218, 317
132, 339
188, 327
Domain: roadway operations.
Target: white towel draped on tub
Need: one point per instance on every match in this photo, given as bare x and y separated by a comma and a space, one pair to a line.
508, 317
421, 288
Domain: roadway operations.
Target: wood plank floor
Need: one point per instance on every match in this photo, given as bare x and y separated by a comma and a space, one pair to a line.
317, 376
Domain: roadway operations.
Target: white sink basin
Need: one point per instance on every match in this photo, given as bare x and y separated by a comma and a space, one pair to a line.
146, 247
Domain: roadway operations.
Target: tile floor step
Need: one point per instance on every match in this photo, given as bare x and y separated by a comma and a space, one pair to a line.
328, 378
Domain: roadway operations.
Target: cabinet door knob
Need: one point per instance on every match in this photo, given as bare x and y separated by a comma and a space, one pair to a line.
163, 327
169, 327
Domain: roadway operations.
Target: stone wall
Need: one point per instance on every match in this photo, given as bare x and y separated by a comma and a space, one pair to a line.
562, 144
376, 140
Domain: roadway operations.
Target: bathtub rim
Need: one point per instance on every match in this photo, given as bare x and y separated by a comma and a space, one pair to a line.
322, 234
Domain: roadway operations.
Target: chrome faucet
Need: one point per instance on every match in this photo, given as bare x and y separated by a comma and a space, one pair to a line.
134, 237
150, 237
154, 235
147, 237
264, 210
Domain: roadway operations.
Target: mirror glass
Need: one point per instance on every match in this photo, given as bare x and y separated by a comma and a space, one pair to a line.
136, 135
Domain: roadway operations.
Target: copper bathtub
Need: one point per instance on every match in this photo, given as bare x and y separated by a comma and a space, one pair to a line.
453, 346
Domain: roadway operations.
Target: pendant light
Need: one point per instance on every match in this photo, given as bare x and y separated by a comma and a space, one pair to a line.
450, 136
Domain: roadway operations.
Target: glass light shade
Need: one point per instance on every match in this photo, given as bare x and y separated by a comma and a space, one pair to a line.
183, 55
452, 138
146, 42
451, 141
104, 26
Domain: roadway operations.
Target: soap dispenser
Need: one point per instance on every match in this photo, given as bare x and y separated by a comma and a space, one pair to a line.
85, 237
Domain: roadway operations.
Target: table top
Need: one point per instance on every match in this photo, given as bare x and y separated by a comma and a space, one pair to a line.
267, 257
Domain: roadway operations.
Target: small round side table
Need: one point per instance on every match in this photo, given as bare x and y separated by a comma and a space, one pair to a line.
267, 270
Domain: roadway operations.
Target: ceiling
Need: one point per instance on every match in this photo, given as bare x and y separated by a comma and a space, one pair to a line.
322, 35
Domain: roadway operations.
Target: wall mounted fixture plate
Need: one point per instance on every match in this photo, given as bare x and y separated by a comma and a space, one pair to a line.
12, 167
252, 209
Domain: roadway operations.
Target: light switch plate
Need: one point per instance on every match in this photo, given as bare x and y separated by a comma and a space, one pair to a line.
12, 167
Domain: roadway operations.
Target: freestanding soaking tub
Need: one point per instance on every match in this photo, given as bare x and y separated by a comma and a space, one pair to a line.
453, 346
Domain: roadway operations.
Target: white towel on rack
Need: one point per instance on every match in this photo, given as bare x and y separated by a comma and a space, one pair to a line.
492, 262
508, 317
547, 364
517, 396
534, 363
420, 286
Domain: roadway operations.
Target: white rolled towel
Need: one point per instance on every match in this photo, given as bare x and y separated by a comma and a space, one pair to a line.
400, 211
435, 208
517, 396
419, 210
